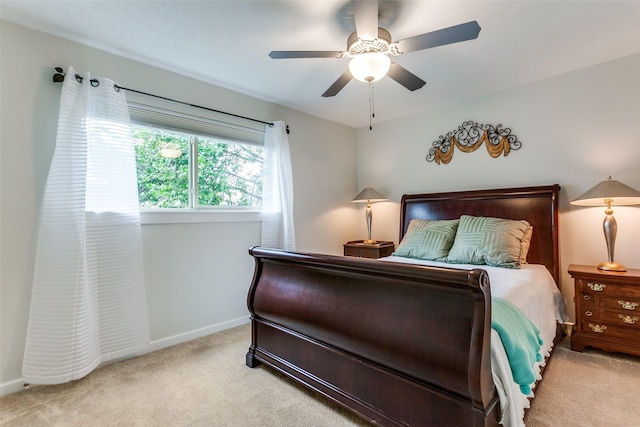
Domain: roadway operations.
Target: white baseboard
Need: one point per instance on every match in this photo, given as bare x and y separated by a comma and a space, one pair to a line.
18, 384
192, 335
11, 387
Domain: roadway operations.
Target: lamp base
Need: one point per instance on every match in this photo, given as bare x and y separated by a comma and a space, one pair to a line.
611, 266
370, 242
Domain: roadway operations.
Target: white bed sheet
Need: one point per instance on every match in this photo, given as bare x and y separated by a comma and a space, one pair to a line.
533, 290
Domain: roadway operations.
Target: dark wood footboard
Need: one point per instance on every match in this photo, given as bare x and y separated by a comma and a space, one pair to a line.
396, 344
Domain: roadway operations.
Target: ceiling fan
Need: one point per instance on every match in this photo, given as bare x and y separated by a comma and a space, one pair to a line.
369, 48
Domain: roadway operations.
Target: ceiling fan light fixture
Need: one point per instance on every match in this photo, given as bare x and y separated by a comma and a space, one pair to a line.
370, 66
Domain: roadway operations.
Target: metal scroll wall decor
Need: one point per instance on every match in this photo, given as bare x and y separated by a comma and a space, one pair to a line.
469, 136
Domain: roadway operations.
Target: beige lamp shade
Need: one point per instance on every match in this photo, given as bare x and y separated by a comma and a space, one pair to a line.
369, 195
609, 193
609, 189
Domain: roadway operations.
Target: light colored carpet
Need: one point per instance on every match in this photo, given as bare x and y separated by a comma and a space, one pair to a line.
205, 382
593, 388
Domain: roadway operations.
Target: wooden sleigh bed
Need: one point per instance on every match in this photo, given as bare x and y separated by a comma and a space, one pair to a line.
397, 344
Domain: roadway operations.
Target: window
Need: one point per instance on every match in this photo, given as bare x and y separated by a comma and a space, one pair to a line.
179, 170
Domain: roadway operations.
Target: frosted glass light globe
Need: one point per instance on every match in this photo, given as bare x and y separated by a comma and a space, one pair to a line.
369, 67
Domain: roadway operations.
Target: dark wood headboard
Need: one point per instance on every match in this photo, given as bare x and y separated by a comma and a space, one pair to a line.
537, 205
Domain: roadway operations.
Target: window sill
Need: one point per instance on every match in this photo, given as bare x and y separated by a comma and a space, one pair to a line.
195, 216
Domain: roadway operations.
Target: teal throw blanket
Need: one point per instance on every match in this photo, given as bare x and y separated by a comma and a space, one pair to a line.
521, 340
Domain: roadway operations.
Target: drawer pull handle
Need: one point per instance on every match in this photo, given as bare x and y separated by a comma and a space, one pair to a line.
588, 313
586, 297
597, 328
628, 319
596, 287
627, 305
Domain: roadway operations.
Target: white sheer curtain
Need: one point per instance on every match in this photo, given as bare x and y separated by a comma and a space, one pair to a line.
88, 300
277, 190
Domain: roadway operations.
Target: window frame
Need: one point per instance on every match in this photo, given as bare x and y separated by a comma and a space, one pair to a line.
195, 213
157, 216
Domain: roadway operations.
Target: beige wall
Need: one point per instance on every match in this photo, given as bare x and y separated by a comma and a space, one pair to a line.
196, 275
575, 129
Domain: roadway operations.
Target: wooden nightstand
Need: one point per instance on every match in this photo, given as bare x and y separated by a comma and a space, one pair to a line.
607, 309
359, 249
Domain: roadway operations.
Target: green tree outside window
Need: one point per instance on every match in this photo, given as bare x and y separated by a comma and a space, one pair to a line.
228, 174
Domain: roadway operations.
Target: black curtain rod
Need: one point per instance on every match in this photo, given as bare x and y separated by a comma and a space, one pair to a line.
59, 76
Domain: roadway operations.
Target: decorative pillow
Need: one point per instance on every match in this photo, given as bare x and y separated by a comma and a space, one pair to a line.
526, 243
429, 240
490, 241
417, 224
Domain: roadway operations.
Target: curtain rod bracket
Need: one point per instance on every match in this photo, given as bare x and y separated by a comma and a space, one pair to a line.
59, 76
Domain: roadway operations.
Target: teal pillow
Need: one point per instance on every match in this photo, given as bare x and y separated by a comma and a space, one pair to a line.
428, 240
492, 241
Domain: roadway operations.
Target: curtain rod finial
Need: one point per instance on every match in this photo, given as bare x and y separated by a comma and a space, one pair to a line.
59, 76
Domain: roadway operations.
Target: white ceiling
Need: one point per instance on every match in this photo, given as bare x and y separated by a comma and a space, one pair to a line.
227, 43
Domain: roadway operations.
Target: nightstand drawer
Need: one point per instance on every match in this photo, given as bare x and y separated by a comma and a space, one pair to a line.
620, 319
603, 330
621, 304
586, 300
608, 288
589, 313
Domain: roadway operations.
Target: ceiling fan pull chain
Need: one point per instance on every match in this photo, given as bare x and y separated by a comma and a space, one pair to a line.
372, 112
373, 103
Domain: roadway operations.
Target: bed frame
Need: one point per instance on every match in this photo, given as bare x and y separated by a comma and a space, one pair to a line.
396, 344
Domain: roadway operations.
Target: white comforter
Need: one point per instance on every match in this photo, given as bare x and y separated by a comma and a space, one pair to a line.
533, 290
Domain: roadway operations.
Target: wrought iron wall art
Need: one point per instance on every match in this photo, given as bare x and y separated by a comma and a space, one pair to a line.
469, 136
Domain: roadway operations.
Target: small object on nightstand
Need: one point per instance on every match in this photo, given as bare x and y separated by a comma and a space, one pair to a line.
610, 193
607, 309
369, 195
358, 248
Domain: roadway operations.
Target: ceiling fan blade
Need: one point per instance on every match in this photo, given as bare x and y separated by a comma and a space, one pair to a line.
286, 54
365, 15
405, 77
338, 84
455, 34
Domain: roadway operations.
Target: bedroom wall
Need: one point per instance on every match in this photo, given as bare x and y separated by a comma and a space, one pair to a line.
196, 275
575, 129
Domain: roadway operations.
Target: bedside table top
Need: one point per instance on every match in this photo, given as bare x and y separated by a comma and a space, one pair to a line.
360, 243
593, 271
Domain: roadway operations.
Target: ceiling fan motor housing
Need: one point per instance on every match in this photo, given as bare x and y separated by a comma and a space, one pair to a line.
356, 46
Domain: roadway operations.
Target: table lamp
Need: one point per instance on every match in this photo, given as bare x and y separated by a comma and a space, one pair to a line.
610, 193
369, 195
